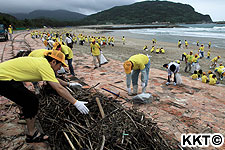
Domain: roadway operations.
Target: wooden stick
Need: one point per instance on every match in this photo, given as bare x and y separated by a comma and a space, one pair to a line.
103, 142
118, 87
71, 144
100, 107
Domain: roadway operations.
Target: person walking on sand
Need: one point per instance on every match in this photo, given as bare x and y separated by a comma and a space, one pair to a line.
123, 39
33, 69
209, 45
132, 67
95, 52
10, 31
186, 44
179, 44
189, 59
201, 51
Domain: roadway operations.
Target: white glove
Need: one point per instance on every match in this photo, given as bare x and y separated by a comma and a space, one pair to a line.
174, 84
81, 107
167, 83
101, 52
78, 85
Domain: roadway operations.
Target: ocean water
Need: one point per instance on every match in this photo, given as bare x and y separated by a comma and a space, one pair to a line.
191, 32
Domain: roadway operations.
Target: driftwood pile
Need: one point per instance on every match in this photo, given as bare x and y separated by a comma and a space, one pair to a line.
114, 128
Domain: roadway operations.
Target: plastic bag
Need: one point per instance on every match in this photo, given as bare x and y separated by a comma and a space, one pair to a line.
103, 60
178, 77
197, 66
143, 98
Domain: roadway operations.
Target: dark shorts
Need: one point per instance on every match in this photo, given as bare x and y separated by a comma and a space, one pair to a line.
18, 93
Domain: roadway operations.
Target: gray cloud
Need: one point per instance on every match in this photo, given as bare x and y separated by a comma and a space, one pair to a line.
211, 7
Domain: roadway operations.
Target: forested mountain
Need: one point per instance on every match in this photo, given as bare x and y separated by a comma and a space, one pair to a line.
59, 15
147, 12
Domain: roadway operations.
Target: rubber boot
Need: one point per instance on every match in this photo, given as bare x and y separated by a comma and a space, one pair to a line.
135, 89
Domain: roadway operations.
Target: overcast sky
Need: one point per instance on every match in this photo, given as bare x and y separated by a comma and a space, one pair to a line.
215, 8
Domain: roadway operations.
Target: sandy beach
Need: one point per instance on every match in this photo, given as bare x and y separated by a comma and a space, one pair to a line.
134, 45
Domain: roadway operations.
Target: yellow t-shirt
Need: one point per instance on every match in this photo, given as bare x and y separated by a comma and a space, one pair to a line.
204, 78
194, 59
219, 70
163, 51
201, 49
38, 53
10, 30
29, 69
139, 61
189, 58
194, 76
66, 50
212, 81
153, 48
95, 49
157, 50
214, 59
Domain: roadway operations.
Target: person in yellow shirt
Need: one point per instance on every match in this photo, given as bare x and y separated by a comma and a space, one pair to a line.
157, 50
209, 45
153, 48
189, 59
162, 51
219, 71
201, 51
205, 78
183, 57
68, 55
186, 44
197, 43
145, 48
132, 67
179, 44
208, 54
212, 81
123, 39
96, 52
195, 75
214, 61
33, 69
10, 31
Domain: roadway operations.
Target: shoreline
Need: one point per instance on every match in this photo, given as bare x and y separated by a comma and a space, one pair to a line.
135, 43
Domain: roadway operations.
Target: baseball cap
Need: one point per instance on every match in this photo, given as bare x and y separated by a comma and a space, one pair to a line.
58, 55
127, 66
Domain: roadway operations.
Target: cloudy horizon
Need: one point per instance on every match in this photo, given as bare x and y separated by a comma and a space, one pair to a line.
213, 8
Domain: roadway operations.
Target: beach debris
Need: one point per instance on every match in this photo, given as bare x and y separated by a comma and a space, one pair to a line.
108, 126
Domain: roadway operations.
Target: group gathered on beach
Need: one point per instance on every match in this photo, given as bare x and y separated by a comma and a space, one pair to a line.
45, 65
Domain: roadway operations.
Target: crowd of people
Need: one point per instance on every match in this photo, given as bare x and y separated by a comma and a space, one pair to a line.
45, 64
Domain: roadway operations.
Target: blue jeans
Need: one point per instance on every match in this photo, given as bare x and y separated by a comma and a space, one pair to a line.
71, 66
202, 53
144, 74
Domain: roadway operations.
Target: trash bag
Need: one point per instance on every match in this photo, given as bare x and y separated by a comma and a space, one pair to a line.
178, 77
143, 98
103, 60
197, 66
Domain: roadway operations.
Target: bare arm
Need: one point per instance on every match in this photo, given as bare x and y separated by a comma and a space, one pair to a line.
63, 83
62, 92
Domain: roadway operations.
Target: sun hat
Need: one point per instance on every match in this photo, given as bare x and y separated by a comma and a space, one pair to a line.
58, 55
127, 66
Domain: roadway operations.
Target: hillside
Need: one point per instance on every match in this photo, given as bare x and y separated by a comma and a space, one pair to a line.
147, 12
59, 15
